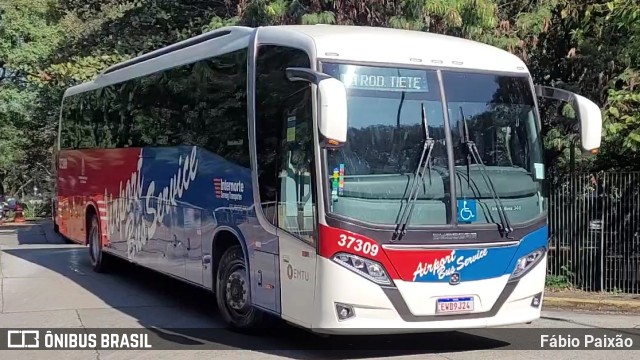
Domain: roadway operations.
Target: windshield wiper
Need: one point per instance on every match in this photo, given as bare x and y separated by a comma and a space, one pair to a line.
424, 162
471, 149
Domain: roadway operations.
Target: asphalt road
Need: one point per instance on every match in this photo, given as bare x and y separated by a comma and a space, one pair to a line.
46, 283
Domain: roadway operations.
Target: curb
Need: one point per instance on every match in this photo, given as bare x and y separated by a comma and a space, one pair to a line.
592, 304
27, 222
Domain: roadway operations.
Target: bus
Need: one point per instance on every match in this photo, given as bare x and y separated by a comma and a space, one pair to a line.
344, 179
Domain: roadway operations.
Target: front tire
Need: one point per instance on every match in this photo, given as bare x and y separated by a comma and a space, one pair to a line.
233, 293
99, 261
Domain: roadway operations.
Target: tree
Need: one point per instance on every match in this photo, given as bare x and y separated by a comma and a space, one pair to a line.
28, 34
591, 47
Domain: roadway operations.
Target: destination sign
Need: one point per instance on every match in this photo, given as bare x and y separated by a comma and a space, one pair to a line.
378, 78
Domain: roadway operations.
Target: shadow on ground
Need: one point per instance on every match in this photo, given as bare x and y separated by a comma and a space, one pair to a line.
32, 232
129, 280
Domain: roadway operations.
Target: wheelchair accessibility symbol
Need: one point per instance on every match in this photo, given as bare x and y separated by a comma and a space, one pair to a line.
467, 211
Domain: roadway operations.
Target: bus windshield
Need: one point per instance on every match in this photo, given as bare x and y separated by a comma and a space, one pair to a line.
369, 178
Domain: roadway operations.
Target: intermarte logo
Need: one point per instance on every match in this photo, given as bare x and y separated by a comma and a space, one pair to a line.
229, 190
218, 184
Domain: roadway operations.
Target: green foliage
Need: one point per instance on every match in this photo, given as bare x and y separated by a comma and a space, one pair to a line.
29, 34
48, 45
26, 34
218, 22
34, 210
325, 17
564, 281
557, 282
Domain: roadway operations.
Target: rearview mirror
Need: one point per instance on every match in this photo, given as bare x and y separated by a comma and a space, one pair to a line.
587, 111
332, 104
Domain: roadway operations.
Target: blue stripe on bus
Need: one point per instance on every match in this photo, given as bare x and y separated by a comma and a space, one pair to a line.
484, 263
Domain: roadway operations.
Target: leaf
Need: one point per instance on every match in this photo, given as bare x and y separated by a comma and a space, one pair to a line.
635, 136
614, 112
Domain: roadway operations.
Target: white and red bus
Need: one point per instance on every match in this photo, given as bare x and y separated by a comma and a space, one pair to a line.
345, 179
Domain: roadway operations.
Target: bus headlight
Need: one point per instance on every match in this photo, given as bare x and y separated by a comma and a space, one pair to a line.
369, 269
526, 262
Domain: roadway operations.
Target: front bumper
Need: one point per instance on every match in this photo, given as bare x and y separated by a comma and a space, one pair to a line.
410, 307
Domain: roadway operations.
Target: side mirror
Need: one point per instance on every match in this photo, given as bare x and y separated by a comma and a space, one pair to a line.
332, 104
587, 111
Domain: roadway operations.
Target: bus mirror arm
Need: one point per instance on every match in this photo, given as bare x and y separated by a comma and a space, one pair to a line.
305, 74
332, 104
588, 113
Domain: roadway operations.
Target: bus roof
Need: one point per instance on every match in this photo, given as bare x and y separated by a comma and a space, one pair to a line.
398, 46
329, 42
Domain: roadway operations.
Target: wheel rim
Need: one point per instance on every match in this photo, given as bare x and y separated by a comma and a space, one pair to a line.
237, 291
93, 245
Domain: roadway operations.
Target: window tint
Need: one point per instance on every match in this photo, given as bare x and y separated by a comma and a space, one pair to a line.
368, 178
202, 104
499, 113
284, 139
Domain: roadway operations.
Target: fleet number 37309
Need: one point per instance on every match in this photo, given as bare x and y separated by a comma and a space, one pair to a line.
359, 245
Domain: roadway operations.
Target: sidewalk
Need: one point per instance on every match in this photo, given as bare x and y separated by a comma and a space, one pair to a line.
591, 301
30, 232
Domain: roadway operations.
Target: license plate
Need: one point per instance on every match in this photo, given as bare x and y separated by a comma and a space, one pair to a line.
454, 305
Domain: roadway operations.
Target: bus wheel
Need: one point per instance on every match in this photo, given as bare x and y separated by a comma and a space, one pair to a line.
96, 254
232, 292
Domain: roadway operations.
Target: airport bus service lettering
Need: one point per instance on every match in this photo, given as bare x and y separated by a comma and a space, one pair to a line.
126, 208
447, 265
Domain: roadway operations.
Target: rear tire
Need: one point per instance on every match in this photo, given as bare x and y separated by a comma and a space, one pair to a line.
233, 293
99, 260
